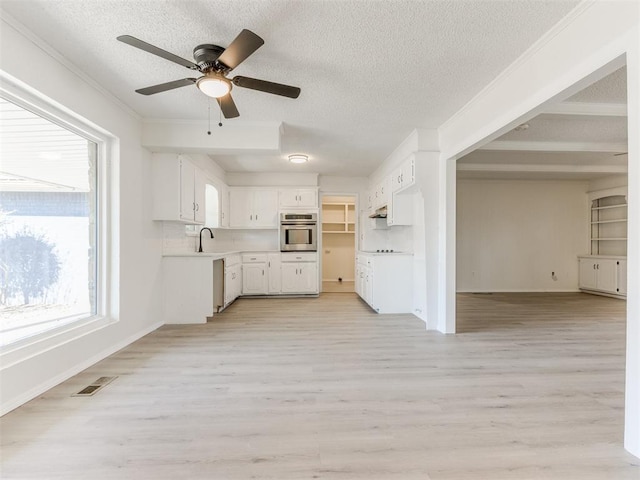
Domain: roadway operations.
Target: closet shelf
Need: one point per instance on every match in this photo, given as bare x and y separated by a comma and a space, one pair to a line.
621, 220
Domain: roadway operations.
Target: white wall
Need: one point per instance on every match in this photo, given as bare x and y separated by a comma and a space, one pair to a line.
512, 234
136, 241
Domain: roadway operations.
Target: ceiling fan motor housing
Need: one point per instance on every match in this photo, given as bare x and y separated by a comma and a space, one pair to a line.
206, 56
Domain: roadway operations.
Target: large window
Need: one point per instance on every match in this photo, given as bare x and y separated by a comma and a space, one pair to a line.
48, 224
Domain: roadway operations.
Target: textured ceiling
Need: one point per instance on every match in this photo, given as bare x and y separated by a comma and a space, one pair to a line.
572, 128
580, 135
370, 71
611, 89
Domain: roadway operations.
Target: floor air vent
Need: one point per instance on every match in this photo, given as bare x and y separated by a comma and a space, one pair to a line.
94, 387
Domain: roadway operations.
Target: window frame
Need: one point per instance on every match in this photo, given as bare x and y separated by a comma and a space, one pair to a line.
106, 146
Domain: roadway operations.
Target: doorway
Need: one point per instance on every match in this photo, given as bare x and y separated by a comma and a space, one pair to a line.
338, 251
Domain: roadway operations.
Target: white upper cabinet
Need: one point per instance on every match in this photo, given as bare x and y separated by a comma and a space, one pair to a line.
298, 198
381, 194
178, 189
253, 207
403, 176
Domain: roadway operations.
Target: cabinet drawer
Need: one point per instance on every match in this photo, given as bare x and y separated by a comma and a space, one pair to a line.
254, 258
299, 257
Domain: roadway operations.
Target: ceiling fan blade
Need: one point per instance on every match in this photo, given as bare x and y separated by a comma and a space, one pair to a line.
228, 106
618, 154
163, 87
242, 46
147, 47
269, 87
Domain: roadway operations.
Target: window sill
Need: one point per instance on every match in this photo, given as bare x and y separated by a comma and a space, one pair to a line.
32, 346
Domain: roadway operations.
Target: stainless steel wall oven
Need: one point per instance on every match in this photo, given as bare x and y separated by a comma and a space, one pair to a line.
298, 232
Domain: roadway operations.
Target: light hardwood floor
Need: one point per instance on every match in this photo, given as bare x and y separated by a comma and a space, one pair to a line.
338, 287
324, 388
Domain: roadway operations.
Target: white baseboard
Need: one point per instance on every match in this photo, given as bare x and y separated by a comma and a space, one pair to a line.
518, 291
43, 387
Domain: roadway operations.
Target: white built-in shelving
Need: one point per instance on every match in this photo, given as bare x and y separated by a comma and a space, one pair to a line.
338, 218
609, 225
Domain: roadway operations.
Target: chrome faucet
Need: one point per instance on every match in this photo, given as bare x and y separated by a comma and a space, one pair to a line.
210, 232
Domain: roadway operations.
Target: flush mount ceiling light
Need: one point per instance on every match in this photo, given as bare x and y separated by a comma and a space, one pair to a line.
298, 158
521, 127
214, 85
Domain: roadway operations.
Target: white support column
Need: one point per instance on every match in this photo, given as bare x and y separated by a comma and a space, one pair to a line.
428, 180
447, 246
632, 387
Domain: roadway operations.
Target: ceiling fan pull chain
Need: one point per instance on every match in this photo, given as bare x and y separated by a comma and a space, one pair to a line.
220, 118
209, 115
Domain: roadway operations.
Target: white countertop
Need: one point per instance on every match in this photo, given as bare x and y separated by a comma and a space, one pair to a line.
217, 254
203, 254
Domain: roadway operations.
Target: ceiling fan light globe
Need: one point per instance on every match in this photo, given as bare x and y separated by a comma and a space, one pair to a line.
213, 86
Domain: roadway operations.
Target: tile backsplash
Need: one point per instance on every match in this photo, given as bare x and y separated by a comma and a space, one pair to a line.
176, 240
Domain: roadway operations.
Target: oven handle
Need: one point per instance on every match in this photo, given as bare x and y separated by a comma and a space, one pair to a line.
298, 225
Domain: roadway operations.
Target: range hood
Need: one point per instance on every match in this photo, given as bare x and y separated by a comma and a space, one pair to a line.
379, 213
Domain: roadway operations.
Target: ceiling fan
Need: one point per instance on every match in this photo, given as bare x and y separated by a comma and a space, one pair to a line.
214, 63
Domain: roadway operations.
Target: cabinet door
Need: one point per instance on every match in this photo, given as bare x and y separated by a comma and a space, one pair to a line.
308, 198
187, 190
606, 275
385, 191
289, 277
587, 268
229, 287
288, 198
308, 277
199, 197
368, 286
254, 279
622, 277
240, 214
408, 173
275, 275
265, 208
237, 281
396, 180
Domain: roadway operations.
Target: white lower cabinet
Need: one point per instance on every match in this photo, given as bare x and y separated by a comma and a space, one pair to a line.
373, 284
299, 272
275, 273
187, 289
232, 279
255, 280
603, 274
